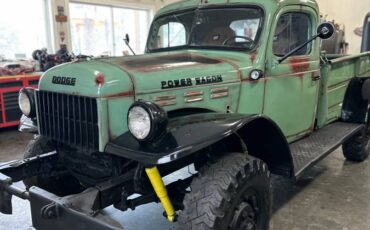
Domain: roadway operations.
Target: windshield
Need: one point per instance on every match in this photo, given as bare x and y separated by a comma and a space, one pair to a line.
218, 28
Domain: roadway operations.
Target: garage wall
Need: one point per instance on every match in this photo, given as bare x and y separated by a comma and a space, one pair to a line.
349, 13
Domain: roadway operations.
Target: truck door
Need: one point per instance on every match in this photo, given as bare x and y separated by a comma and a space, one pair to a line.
291, 90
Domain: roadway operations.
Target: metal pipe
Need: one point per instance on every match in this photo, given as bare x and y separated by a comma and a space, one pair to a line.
16, 191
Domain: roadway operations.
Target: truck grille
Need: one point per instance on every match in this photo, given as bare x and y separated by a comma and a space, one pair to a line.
68, 119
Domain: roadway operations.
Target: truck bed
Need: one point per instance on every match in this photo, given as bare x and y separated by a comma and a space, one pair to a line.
336, 74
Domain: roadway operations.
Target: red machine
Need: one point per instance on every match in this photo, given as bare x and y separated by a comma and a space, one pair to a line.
9, 88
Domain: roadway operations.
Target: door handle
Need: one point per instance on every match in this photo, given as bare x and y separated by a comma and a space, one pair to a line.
315, 78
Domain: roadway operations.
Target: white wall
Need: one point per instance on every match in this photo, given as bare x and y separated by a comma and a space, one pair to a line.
350, 13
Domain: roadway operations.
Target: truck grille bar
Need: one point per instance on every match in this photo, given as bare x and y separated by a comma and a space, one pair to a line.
68, 119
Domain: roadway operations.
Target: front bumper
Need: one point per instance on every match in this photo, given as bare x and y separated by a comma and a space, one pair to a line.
50, 211
27, 125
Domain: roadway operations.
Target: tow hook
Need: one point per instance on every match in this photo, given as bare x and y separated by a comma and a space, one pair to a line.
161, 191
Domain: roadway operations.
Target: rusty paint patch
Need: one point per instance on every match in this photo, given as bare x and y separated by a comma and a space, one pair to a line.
219, 95
248, 80
158, 63
193, 93
122, 94
235, 66
166, 103
165, 97
253, 57
220, 90
299, 65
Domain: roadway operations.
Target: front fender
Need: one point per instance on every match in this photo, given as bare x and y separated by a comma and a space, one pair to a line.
186, 135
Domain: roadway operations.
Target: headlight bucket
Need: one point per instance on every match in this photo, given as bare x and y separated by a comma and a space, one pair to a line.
158, 120
26, 102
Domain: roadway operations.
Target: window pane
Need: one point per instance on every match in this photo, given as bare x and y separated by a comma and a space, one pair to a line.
91, 29
229, 27
292, 30
135, 23
28, 27
171, 34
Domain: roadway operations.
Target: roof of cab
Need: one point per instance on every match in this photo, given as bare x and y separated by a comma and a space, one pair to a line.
267, 4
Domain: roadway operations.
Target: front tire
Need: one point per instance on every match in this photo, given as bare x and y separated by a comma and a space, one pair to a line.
233, 193
62, 185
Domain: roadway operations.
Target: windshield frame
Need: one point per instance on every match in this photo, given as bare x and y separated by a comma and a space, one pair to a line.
209, 47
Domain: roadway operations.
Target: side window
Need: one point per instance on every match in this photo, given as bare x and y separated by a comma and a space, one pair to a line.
292, 30
170, 35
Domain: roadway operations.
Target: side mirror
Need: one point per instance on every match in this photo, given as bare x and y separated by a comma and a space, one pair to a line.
324, 31
127, 42
127, 39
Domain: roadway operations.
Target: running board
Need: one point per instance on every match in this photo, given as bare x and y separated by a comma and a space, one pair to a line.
307, 152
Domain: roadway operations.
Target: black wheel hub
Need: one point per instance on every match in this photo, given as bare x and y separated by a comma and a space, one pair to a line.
244, 217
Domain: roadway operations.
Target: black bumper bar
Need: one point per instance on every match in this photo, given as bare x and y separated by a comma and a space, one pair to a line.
79, 211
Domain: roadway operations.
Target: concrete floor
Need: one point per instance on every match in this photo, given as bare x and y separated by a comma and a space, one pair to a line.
334, 195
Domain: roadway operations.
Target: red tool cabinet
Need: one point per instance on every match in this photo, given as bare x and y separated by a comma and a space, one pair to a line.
9, 90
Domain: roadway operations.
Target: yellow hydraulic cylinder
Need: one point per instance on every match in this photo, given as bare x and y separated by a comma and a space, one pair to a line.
161, 191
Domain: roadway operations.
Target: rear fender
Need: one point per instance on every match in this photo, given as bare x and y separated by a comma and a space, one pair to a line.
356, 101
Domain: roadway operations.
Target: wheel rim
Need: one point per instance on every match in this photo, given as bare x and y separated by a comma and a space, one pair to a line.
245, 214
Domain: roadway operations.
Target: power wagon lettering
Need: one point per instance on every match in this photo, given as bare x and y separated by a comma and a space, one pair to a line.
185, 82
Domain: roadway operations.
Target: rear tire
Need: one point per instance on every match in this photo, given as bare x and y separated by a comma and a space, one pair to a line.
357, 148
61, 186
233, 193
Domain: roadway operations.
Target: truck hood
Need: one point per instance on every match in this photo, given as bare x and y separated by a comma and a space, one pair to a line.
170, 70
87, 78
143, 74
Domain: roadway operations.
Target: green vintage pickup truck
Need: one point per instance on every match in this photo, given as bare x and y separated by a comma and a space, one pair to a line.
234, 89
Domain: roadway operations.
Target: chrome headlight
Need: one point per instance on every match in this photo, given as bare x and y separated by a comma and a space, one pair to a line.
26, 101
146, 121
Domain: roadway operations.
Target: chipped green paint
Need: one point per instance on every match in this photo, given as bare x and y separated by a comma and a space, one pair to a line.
286, 93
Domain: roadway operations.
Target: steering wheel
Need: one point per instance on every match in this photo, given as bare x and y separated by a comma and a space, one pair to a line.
246, 38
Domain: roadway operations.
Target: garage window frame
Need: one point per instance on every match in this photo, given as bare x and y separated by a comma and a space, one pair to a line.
150, 9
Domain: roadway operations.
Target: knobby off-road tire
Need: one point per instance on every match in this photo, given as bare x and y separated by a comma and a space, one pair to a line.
357, 148
233, 193
60, 186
